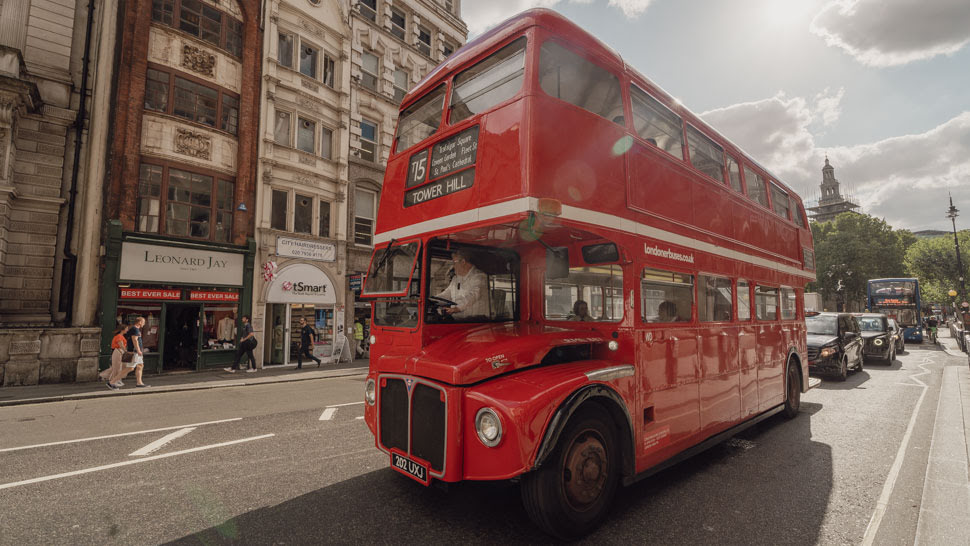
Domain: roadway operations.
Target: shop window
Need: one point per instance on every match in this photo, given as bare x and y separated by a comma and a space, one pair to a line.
666, 296
734, 174
756, 186
303, 214
765, 302
656, 123
495, 79
424, 41
400, 84
714, 299
284, 53
305, 135
324, 219
368, 8
368, 140
705, 154
744, 300
398, 23
308, 61
365, 209
281, 128
191, 100
129, 311
219, 326
370, 68
326, 143
202, 21
278, 214
149, 198
587, 294
571, 78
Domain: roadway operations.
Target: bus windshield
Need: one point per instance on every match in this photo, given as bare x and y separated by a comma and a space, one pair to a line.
471, 284
892, 288
390, 269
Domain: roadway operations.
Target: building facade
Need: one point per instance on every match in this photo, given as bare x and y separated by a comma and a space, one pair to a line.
832, 203
334, 75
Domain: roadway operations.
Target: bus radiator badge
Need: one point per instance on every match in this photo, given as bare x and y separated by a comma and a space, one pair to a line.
409, 383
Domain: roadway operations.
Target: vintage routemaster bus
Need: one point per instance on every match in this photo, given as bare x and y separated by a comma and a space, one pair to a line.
576, 282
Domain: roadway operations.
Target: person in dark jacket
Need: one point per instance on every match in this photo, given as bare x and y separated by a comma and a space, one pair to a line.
307, 337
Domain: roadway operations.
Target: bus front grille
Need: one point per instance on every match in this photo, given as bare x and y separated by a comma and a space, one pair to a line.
394, 414
420, 414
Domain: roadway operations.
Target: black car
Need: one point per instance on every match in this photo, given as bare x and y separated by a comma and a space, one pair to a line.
834, 343
898, 336
878, 336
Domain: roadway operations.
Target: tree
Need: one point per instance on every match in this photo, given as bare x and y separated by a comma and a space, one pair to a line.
934, 263
852, 249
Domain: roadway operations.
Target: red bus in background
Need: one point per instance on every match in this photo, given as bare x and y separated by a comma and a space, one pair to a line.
633, 282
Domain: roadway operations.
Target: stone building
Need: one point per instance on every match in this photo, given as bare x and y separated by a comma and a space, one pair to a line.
334, 74
831, 203
43, 139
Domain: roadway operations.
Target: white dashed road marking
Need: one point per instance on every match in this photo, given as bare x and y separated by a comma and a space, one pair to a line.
157, 444
120, 435
328, 414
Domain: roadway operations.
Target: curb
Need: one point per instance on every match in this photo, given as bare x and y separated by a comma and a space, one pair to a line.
181, 388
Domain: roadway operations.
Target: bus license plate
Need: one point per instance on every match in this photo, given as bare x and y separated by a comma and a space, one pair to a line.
409, 467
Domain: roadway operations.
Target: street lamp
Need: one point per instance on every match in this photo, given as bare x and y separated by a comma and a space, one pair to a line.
951, 213
953, 300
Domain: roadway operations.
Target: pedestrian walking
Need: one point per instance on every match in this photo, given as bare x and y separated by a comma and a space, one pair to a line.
358, 338
246, 345
137, 363
118, 347
307, 337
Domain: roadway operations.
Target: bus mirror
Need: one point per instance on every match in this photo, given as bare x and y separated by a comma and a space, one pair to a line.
557, 263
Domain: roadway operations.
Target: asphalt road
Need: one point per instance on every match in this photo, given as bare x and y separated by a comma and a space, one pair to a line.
292, 463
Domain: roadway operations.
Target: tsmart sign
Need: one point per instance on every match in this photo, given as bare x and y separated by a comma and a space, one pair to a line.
301, 283
141, 262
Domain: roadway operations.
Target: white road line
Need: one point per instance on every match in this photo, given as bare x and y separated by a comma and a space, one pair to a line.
361, 417
120, 435
328, 414
347, 404
154, 446
887, 489
126, 463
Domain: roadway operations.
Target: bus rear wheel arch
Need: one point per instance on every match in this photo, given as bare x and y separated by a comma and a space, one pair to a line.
793, 388
571, 493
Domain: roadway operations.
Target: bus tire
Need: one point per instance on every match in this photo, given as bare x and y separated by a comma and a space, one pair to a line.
793, 388
571, 493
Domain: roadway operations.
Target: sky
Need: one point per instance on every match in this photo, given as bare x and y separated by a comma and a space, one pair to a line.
881, 87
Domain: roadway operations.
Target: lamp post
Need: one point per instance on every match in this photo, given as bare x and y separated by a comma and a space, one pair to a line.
953, 301
951, 213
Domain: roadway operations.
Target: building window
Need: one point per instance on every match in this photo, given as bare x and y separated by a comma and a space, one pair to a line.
308, 61
401, 84
305, 133
368, 140
328, 69
324, 218
281, 128
284, 54
326, 143
449, 5
365, 208
190, 100
447, 48
201, 20
368, 8
190, 200
303, 214
398, 23
424, 41
278, 214
369, 66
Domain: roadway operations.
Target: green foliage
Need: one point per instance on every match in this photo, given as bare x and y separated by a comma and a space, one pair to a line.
934, 263
854, 248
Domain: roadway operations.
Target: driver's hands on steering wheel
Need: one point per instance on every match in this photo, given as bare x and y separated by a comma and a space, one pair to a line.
451, 310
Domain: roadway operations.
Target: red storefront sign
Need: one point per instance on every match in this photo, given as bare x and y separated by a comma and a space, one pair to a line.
150, 294
210, 295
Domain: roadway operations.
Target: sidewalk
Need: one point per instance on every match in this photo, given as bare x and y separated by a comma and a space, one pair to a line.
174, 382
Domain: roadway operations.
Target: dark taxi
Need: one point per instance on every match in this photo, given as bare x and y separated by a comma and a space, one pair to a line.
878, 336
834, 344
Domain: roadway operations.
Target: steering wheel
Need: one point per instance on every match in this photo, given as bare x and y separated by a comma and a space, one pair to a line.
441, 302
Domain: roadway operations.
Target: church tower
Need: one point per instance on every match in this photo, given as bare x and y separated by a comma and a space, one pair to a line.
831, 203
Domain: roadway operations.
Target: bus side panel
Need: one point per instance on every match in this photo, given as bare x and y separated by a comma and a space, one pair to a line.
771, 356
501, 174
720, 396
748, 354
657, 187
709, 200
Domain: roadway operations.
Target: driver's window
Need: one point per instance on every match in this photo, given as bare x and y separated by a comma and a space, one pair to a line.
471, 284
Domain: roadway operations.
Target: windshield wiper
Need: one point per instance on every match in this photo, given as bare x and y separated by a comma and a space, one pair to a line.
383, 259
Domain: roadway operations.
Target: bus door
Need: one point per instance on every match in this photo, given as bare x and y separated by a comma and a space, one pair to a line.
747, 351
667, 362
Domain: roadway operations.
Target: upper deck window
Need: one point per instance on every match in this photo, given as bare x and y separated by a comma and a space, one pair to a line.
796, 209
734, 173
656, 124
421, 119
495, 79
570, 77
779, 201
705, 154
756, 186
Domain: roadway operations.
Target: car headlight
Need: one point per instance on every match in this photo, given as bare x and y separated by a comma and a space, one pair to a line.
370, 392
827, 352
489, 427
878, 341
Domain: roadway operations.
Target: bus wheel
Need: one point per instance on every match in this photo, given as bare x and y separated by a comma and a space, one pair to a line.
793, 400
570, 494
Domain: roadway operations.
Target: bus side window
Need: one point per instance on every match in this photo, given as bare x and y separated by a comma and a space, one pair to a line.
656, 124
714, 299
570, 77
787, 304
734, 174
765, 302
666, 296
591, 293
744, 300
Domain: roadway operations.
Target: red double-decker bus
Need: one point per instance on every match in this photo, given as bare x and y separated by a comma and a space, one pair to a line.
576, 282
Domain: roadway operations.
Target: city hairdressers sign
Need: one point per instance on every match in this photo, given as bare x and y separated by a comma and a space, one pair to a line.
141, 262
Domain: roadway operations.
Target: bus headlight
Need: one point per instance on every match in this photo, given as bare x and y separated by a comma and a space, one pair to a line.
613, 345
877, 342
489, 427
370, 392
372, 340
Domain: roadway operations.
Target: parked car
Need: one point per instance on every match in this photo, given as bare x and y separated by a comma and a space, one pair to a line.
898, 337
834, 344
878, 337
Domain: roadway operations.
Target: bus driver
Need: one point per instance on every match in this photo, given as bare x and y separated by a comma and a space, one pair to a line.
467, 288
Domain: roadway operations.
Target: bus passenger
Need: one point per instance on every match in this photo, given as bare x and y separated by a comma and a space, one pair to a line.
668, 312
580, 312
467, 288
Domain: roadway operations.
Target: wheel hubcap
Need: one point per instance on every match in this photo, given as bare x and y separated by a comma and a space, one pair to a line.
586, 469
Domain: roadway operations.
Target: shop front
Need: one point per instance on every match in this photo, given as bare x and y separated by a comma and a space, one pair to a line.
191, 296
300, 291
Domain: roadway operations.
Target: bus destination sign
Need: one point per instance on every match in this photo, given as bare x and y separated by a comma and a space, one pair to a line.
440, 188
454, 154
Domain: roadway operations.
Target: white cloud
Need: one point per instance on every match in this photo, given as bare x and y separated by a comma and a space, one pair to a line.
903, 179
480, 15
894, 32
